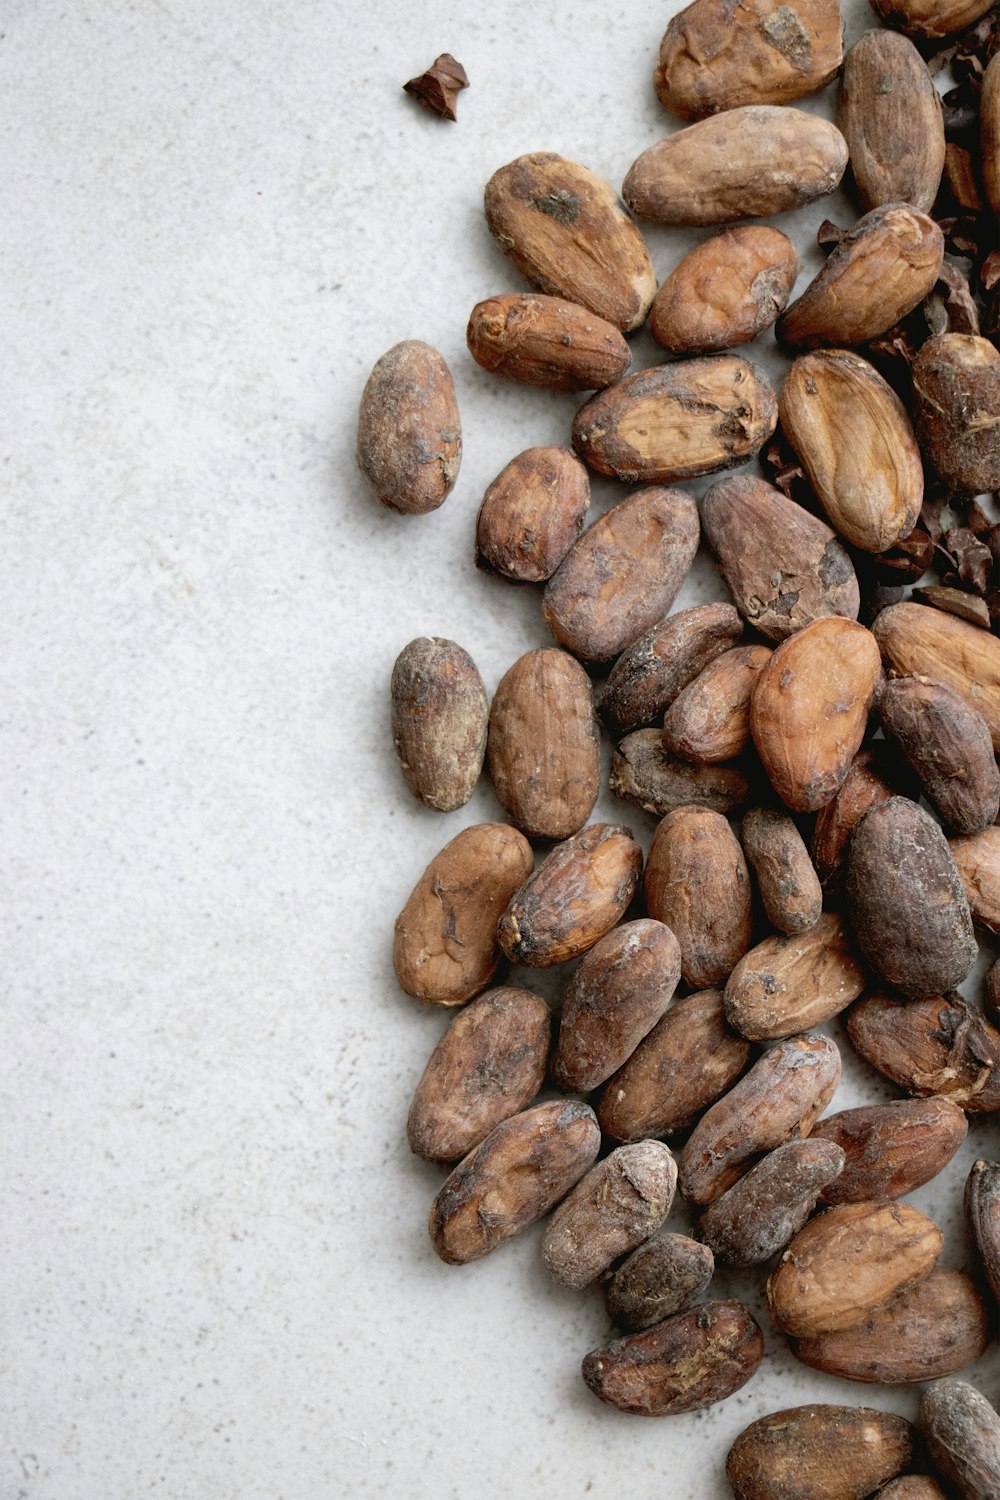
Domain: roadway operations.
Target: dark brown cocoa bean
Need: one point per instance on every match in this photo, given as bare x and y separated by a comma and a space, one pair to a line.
763, 1210
643, 773
788, 885
818, 1453
709, 720
618, 1205
962, 1432
663, 1277
947, 744
654, 669
942, 1045
982, 1210
891, 1149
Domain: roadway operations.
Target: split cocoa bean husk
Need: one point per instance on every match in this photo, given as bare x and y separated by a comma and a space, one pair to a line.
818, 1453
725, 292
948, 745
409, 431
982, 1210
956, 391
890, 114
439, 712
697, 882
546, 341
532, 514
962, 1433
786, 984
709, 720
653, 670
663, 1277
687, 1062
921, 642
787, 882
942, 1045
891, 1149
763, 1210
617, 1205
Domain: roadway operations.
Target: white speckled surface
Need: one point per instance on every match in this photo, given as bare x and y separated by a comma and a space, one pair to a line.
217, 1281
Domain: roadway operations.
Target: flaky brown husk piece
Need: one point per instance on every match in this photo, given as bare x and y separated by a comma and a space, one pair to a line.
818, 1453
942, 1045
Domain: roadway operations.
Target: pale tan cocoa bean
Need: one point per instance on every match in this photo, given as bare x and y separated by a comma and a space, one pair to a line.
849, 1261
809, 709
664, 1276
956, 396
818, 1453
890, 114
577, 894
725, 292
747, 163
982, 1210
683, 1364
532, 514
445, 942
784, 567
616, 996
543, 744
891, 1149
677, 421
942, 1046
763, 1210
697, 882
779, 1100
784, 985
521, 1170
409, 431
912, 1487
618, 1205
439, 713
649, 675
565, 230
787, 883
714, 58
688, 1060
978, 861
489, 1064
962, 1432
546, 341
854, 440
948, 745
709, 720
623, 573
643, 773
917, 641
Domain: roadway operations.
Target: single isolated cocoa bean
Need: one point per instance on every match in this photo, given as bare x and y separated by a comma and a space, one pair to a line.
643, 773
763, 1210
653, 670
618, 1205
664, 1276
697, 882
818, 1453
532, 514
725, 292
709, 720
788, 885
409, 430
439, 717
546, 341
891, 1149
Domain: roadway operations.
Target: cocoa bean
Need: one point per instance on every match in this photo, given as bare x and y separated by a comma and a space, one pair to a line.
664, 1276
891, 1149
697, 883
763, 1210
618, 1205
439, 715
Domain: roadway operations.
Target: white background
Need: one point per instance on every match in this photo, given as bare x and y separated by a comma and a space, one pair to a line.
215, 1270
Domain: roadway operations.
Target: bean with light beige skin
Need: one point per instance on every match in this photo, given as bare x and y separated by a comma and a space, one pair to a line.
948, 746
962, 1432
565, 230
891, 117
615, 997
786, 984
763, 1210
546, 341
725, 292
623, 574
989, 125
931, 19
849, 1261
577, 894
906, 901
818, 1453
785, 567
891, 1149
956, 397
709, 720
445, 941
678, 421
877, 273
978, 860
645, 774
713, 58
787, 882
933, 1330
543, 744
747, 163
683, 1364
809, 709
982, 1211
779, 1100
489, 1064
854, 440
697, 882
866, 783
532, 514
912, 1487
439, 713
918, 641
943, 1045
687, 1062
620, 1203
512, 1178
409, 444
665, 1276
653, 670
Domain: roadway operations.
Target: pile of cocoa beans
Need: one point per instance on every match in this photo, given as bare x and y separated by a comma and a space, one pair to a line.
821, 752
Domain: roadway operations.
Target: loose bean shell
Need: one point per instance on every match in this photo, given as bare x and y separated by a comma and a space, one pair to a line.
643, 773
546, 341
786, 984
854, 440
439, 714
620, 1203
779, 1100
747, 163
891, 117
544, 744
489, 1064
532, 514
623, 574
663, 1277
956, 397
763, 1210
725, 292
948, 745
677, 421
982, 1210
683, 1364
409, 431
445, 943
521, 1170
616, 996
577, 894
654, 669
891, 1149
962, 1432
942, 1045
709, 720
918, 641
697, 882
788, 885
818, 1453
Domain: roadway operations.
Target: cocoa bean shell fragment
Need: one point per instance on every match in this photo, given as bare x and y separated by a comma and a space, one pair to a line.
818, 1453
619, 1203
439, 712
760, 1213
891, 1149
663, 1277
